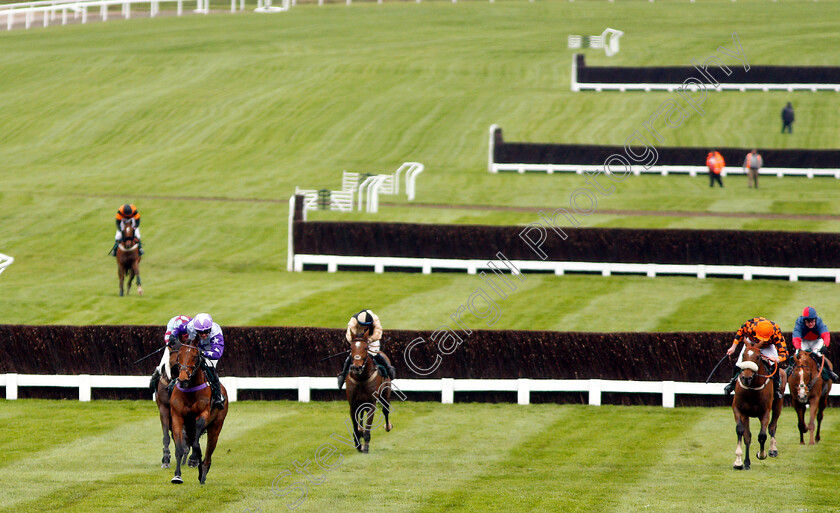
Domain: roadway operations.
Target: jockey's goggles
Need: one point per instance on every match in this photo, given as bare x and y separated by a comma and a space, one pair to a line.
204, 332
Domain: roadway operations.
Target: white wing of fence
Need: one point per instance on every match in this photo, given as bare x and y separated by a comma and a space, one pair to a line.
5, 261
447, 387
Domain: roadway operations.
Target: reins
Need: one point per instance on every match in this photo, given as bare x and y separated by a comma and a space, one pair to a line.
816, 376
763, 361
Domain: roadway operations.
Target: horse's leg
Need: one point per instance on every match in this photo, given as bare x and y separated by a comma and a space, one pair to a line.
121, 273
165, 424
385, 397
774, 421
800, 415
180, 447
762, 435
192, 441
739, 430
368, 421
137, 274
820, 410
212, 437
747, 442
814, 406
356, 429
200, 426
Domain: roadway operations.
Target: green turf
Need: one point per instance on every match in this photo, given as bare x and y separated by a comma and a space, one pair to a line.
180, 115
458, 458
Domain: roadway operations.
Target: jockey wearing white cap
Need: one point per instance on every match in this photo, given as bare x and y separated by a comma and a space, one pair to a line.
366, 323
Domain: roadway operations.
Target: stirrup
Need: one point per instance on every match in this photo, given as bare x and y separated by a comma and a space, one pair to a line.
341, 378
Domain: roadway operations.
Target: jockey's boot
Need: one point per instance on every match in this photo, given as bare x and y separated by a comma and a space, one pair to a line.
827, 372
728, 389
777, 384
383, 360
153, 383
215, 387
140, 246
113, 251
171, 385
344, 371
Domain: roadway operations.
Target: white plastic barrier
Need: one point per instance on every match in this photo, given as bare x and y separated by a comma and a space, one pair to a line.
341, 201
5, 261
608, 40
265, 6
49, 11
427, 265
446, 386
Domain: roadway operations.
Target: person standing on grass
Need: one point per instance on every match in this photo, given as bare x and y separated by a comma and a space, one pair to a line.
752, 163
787, 118
715, 163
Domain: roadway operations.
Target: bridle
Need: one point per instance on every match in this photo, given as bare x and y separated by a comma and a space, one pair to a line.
357, 357
191, 368
810, 385
763, 359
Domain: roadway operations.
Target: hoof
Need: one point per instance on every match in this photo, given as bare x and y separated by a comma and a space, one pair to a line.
192, 463
365, 448
737, 467
389, 427
746, 467
139, 291
773, 454
165, 465
760, 457
177, 480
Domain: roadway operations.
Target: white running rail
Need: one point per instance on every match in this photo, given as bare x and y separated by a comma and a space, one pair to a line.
5, 261
50, 11
446, 386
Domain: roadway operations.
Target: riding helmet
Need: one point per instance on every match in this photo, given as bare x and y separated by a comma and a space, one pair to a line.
128, 210
809, 313
202, 322
764, 330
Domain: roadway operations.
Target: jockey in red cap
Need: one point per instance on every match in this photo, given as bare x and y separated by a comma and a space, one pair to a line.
810, 334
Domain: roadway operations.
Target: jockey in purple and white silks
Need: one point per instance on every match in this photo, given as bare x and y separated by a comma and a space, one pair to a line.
211, 343
163, 366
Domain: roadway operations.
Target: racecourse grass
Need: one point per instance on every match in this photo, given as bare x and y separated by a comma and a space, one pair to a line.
453, 458
208, 123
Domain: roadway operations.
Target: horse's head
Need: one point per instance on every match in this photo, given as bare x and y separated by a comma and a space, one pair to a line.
189, 359
750, 363
804, 373
358, 354
128, 235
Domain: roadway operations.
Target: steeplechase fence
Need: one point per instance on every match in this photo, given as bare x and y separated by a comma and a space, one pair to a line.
447, 387
550, 158
673, 78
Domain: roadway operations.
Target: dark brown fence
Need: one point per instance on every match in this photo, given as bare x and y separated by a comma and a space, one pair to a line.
615, 245
596, 155
283, 351
677, 74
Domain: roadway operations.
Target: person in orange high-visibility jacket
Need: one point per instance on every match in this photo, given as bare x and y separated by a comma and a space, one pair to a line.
715, 163
768, 337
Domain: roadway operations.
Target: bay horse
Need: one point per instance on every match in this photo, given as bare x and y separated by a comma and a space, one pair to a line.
192, 412
754, 398
128, 259
807, 387
366, 387
162, 400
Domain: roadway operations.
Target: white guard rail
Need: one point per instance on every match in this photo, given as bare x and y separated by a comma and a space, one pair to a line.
428, 265
663, 170
446, 386
5, 261
49, 11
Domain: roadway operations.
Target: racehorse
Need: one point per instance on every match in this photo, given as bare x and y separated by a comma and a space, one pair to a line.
162, 401
754, 398
366, 387
128, 259
192, 413
808, 388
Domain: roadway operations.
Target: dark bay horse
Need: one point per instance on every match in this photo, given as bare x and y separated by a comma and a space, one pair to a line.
808, 388
366, 387
162, 401
754, 397
128, 259
192, 414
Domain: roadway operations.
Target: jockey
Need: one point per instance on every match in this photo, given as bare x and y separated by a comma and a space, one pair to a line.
163, 366
211, 342
366, 323
810, 334
127, 214
768, 337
